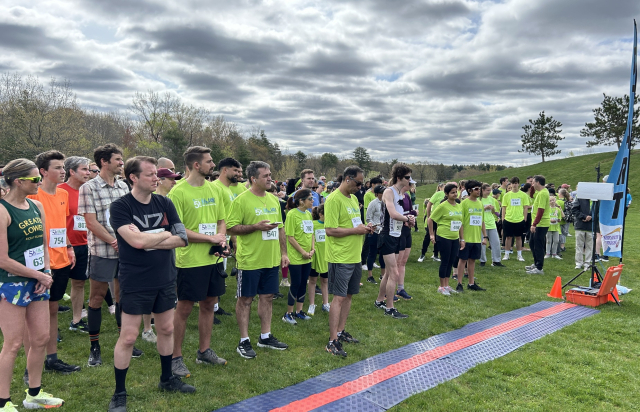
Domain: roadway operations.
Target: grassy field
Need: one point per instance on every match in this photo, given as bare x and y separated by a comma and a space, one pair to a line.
590, 365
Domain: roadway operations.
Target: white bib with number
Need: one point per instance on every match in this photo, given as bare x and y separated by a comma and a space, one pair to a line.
516, 202
475, 220
79, 224
107, 216
307, 226
57, 238
396, 227
455, 225
270, 234
416, 207
356, 221
208, 229
34, 258
320, 235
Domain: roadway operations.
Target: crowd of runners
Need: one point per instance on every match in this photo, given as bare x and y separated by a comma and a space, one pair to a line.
158, 243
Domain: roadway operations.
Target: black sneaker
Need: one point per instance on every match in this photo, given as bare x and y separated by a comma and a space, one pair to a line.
245, 350
175, 384
318, 291
25, 377
272, 343
498, 264
482, 264
59, 336
459, 288
604, 258
118, 402
380, 305
136, 353
475, 287
216, 321
278, 295
370, 279
393, 312
222, 312
335, 348
94, 357
80, 326
63, 309
59, 366
346, 337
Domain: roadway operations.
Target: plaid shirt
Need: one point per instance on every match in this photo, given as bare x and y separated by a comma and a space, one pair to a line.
96, 197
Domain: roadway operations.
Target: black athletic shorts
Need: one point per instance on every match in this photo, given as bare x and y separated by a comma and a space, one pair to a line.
196, 284
79, 271
146, 301
510, 229
470, 251
388, 245
405, 239
60, 282
315, 274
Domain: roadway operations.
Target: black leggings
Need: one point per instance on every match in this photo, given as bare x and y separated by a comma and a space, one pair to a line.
427, 240
448, 254
373, 251
298, 276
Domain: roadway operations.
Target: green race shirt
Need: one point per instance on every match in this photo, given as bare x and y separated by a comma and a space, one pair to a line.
489, 217
237, 189
541, 201
343, 212
226, 195
554, 213
435, 200
368, 197
560, 204
449, 219
514, 204
200, 209
256, 250
472, 214
300, 226
319, 261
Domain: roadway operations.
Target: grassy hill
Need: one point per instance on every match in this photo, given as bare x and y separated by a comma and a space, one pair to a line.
570, 170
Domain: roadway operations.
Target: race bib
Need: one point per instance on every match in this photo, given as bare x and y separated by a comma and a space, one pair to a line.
107, 216
307, 226
270, 234
320, 235
475, 220
79, 225
34, 258
57, 238
416, 207
356, 221
208, 229
396, 225
455, 225
516, 202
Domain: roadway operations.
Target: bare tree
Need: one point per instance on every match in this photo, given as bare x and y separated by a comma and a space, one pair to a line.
153, 113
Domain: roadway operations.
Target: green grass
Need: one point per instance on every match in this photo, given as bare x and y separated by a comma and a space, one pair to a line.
590, 365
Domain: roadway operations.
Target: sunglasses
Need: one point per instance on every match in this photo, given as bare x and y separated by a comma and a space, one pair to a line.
357, 183
315, 187
476, 188
407, 177
94, 170
36, 179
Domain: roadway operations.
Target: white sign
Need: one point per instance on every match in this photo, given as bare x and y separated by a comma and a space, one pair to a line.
595, 191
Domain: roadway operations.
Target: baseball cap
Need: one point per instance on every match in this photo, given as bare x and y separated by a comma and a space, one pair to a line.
168, 173
379, 189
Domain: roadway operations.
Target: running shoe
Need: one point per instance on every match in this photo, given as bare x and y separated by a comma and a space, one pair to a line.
8, 407
376, 266
285, 283
63, 309
318, 290
421, 259
450, 289
535, 271
475, 287
288, 317
498, 264
112, 309
547, 256
245, 350
178, 367
80, 326
175, 384
59, 366
443, 291
371, 279
326, 307
94, 357
435, 258
393, 312
520, 258
404, 295
42, 400
380, 305
222, 312
345, 336
335, 348
459, 288
506, 256
136, 353
482, 264
272, 343
578, 267
302, 315
118, 402
604, 258
277, 295
312, 310
364, 267
216, 321
210, 357
529, 267
149, 336
556, 257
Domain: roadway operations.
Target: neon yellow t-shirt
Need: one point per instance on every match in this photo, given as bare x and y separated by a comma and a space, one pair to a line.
256, 250
489, 217
227, 197
560, 204
435, 201
554, 213
541, 201
238, 189
449, 219
200, 209
343, 212
368, 197
300, 226
514, 204
319, 261
472, 216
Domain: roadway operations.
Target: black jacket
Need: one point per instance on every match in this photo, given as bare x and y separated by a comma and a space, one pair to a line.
581, 209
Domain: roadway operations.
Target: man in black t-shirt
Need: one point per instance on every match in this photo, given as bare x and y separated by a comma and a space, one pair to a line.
147, 228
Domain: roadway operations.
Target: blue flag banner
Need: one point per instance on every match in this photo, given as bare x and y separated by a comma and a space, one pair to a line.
612, 211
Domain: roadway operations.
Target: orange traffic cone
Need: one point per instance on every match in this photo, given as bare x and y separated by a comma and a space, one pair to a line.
615, 293
556, 290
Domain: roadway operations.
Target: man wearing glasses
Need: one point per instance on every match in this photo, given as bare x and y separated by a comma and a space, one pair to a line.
473, 235
93, 170
345, 234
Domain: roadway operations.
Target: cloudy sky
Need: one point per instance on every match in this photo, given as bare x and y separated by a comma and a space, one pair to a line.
449, 81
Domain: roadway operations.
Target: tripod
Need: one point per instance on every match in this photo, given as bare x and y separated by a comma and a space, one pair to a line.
592, 268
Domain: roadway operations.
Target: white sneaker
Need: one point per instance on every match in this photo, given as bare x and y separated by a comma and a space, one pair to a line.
112, 309
84, 314
535, 271
556, 257
435, 259
364, 267
547, 256
530, 267
421, 259
443, 291
149, 336
312, 310
520, 258
578, 267
285, 283
326, 307
450, 289
506, 256
376, 266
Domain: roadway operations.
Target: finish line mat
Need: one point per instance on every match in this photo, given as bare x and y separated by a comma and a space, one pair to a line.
382, 381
